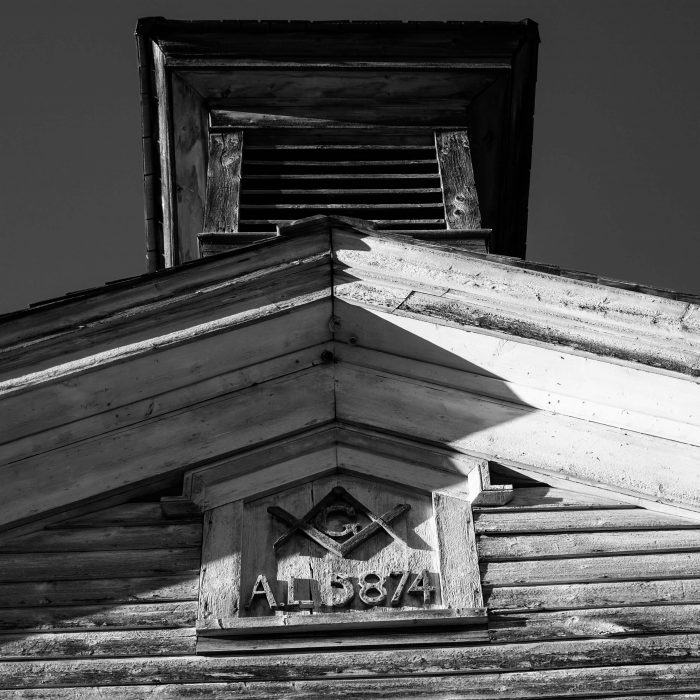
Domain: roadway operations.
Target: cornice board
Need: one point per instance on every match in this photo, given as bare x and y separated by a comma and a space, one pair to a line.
343, 449
465, 290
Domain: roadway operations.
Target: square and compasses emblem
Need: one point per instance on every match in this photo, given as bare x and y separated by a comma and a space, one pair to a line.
346, 533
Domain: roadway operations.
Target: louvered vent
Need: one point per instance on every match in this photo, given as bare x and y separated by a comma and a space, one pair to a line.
395, 186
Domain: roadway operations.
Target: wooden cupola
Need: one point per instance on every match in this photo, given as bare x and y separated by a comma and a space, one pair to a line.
421, 129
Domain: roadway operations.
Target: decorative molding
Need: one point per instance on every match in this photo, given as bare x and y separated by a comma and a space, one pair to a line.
349, 450
483, 492
462, 290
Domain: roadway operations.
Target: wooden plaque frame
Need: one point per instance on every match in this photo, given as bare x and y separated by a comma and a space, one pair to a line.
223, 626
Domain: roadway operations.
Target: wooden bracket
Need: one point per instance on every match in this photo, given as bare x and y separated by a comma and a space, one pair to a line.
222, 207
483, 493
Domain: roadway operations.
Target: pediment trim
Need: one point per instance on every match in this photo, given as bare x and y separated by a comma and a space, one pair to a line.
341, 449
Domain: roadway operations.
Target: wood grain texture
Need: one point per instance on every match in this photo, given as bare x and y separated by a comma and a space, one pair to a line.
132, 514
269, 86
107, 538
592, 595
161, 614
457, 176
165, 140
328, 642
213, 491
576, 311
589, 520
602, 622
147, 589
564, 545
679, 652
643, 681
225, 476
158, 382
190, 126
383, 135
90, 565
260, 76
588, 569
223, 182
249, 44
459, 562
46, 326
549, 498
220, 575
113, 643
363, 622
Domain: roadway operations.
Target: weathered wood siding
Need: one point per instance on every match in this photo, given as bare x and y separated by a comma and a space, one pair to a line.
121, 582
586, 599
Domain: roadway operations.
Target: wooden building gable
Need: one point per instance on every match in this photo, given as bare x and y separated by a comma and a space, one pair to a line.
331, 325
345, 463
348, 456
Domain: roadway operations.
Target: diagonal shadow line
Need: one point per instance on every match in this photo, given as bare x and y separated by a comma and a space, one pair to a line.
374, 330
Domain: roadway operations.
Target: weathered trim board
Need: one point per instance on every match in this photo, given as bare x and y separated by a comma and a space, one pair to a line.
255, 589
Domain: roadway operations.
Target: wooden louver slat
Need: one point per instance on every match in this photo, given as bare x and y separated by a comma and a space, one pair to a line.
393, 186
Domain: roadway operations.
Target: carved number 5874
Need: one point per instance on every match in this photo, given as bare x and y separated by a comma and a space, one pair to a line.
373, 587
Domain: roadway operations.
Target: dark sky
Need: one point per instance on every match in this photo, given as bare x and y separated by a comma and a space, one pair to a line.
616, 152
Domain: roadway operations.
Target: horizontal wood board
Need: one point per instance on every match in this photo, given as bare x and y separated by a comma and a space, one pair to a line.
636, 636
